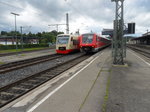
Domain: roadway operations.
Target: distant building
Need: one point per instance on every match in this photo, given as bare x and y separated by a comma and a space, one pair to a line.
144, 39
145, 34
10, 40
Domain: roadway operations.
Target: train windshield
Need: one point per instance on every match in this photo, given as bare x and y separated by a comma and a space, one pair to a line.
87, 38
62, 39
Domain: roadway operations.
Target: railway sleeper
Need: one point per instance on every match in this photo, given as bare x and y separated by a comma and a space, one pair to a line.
16, 90
24, 86
35, 82
20, 88
5, 98
42, 78
27, 84
49, 75
2, 102
8, 94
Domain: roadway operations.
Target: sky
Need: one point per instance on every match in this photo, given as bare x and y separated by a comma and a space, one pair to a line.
85, 15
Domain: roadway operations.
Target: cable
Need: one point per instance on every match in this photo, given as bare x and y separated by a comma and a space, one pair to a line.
11, 5
79, 12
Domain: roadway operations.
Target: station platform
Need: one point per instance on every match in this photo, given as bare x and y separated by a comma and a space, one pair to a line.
94, 85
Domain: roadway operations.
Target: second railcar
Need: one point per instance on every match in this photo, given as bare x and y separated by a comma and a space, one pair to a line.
91, 42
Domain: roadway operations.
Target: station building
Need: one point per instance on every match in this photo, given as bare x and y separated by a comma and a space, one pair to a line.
144, 39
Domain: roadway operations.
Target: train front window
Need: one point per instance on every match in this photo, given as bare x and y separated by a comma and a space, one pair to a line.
87, 38
62, 39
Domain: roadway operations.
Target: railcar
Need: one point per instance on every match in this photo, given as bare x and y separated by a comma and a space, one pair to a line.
92, 42
66, 43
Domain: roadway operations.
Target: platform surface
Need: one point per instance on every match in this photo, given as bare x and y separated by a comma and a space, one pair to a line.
94, 86
130, 86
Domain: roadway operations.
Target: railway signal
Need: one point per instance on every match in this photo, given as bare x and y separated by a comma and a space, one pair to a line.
131, 28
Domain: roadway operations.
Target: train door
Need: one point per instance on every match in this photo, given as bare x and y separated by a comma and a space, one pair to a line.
71, 43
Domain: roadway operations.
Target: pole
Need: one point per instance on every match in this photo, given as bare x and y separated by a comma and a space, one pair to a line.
21, 38
57, 28
16, 34
15, 14
67, 23
117, 43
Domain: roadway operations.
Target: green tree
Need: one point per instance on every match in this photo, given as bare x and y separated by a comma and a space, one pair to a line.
3, 33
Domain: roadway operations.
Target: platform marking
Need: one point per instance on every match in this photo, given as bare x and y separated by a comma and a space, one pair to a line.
140, 58
55, 90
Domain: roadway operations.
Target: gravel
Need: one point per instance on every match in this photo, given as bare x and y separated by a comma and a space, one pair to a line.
23, 56
15, 75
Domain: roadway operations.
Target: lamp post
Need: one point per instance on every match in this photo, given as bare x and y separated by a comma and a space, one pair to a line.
15, 14
67, 23
21, 27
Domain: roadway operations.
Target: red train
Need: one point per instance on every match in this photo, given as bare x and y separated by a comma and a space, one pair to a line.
91, 42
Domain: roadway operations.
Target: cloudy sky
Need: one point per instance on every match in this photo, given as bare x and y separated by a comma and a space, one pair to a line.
86, 15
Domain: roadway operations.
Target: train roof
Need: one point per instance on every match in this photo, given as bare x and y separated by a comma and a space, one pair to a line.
95, 34
66, 35
88, 33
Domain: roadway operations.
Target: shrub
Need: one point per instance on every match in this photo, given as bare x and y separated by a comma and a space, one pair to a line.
6, 47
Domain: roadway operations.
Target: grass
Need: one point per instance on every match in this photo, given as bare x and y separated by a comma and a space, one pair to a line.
2, 63
106, 95
19, 50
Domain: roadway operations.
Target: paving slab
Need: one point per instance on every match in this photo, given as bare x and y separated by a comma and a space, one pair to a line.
130, 86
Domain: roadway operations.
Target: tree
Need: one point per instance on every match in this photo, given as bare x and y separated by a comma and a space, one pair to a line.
3, 33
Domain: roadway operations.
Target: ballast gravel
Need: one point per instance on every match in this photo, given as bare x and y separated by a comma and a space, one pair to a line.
15, 75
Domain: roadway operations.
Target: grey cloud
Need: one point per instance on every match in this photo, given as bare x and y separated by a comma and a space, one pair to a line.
48, 9
101, 11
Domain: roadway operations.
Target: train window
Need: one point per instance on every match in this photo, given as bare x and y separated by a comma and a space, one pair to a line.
62, 39
87, 38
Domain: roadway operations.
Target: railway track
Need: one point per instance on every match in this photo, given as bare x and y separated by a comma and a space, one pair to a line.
28, 62
16, 89
141, 50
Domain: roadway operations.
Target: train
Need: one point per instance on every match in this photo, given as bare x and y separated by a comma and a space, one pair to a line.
91, 42
67, 43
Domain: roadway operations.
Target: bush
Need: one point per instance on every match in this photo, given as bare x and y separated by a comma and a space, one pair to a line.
6, 47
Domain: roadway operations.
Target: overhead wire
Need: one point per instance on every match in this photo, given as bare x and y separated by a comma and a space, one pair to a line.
69, 4
79, 12
13, 6
7, 4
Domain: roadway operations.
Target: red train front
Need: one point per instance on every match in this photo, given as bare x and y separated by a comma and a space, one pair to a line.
91, 42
